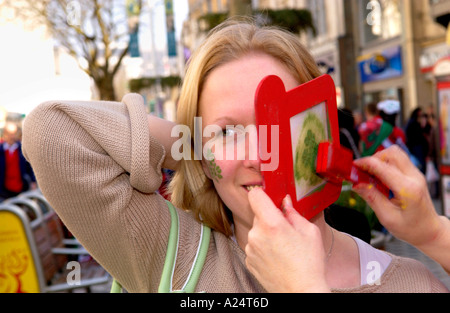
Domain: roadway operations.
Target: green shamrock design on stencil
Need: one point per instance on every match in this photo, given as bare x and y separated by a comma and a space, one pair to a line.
214, 170
310, 151
311, 134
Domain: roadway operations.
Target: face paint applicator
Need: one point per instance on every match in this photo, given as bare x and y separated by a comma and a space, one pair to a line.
335, 165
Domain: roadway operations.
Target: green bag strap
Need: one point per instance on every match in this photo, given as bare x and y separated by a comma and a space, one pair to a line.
199, 261
116, 287
385, 130
165, 285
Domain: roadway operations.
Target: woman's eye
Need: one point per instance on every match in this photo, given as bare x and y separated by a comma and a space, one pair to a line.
228, 132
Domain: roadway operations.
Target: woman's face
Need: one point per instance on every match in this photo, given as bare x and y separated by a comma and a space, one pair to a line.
227, 98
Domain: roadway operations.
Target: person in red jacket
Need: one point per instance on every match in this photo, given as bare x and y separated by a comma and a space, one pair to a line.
381, 131
16, 174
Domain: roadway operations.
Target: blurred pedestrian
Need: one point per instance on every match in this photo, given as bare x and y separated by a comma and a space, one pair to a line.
416, 140
372, 122
430, 131
381, 131
16, 174
370, 112
432, 157
358, 117
348, 134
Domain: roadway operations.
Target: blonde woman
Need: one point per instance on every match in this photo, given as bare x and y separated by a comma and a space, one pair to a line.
99, 164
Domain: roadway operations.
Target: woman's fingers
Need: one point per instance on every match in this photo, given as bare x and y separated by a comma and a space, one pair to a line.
262, 206
284, 251
388, 174
410, 212
393, 156
298, 222
382, 206
394, 170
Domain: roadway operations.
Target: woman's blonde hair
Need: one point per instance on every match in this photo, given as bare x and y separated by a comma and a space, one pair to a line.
190, 188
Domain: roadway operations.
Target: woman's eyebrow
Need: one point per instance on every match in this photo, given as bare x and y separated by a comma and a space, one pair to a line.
227, 120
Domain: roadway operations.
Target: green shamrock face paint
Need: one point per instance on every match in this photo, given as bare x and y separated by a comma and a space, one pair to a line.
312, 133
214, 170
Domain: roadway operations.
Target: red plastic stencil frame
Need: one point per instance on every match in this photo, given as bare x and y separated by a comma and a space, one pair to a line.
276, 107
335, 164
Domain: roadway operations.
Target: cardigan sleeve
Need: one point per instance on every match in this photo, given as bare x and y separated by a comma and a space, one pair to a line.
99, 167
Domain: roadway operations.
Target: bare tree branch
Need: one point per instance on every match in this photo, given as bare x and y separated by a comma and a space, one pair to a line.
96, 39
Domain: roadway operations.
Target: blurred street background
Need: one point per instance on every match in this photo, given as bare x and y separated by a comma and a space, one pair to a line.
374, 50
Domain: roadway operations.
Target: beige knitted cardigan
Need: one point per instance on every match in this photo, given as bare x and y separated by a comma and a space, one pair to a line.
99, 167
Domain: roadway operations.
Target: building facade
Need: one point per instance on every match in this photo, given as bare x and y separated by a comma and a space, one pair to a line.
328, 16
373, 49
324, 46
395, 41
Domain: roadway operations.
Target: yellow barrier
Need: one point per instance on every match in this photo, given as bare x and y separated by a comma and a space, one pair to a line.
17, 267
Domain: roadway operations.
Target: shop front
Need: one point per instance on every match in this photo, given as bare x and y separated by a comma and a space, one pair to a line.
441, 71
435, 68
381, 77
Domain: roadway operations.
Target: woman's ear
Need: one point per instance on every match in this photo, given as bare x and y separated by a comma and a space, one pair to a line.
206, 168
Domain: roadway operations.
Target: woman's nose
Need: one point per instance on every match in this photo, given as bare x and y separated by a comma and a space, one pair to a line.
252, 159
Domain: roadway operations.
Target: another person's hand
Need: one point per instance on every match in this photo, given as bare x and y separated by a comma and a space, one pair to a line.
410, 215
285, 253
